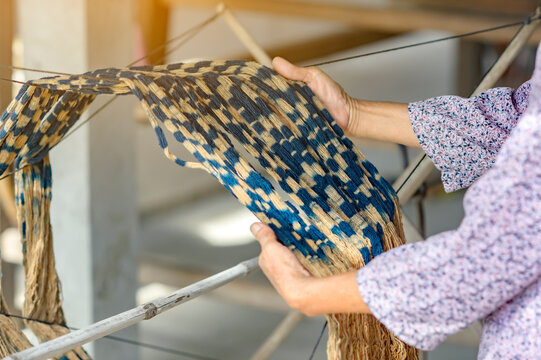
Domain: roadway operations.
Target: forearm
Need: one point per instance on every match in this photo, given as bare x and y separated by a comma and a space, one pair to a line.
385, 121
328, 295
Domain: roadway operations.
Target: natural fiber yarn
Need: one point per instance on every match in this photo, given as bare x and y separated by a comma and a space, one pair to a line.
29, 122
268, 140
11, 338
42, 287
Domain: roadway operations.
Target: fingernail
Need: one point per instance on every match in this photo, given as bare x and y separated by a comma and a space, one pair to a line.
255, 227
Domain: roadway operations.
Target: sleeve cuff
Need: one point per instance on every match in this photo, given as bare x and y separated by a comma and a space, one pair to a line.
433, 135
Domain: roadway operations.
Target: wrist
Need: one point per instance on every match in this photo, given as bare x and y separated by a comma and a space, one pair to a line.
356, 109
385, 121
306, 299
333, 294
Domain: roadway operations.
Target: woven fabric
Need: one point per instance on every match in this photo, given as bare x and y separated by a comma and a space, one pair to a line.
269, 141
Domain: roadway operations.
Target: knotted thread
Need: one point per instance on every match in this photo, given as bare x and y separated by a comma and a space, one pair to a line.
269, 141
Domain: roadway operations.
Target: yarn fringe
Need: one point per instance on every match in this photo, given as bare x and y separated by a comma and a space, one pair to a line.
12, 339
362, 336
42, 299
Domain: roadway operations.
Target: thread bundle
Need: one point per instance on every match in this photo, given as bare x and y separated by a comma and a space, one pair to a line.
269, 141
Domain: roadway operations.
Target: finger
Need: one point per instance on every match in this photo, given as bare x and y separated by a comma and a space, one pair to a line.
255, 227
290, 71
263, 234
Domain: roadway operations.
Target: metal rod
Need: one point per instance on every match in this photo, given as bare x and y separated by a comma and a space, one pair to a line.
279, 334
146, 311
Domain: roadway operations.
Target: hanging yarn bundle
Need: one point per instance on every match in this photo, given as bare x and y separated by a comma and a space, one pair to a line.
268, 140
36, 118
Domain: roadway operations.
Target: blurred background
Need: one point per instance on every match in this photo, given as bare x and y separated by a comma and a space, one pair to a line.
130, 225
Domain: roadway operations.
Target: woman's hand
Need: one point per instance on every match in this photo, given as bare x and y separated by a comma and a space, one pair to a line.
332, 95
306, 293
281, 267
376, 120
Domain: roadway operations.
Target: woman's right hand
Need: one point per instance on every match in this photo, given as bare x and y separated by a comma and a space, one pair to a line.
377, 120
329, 92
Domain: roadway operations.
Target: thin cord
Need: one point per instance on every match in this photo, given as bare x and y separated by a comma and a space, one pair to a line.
196, 28
523, 22
50, 72
409, 175
176, 38
121, 339
189, 35
318, 341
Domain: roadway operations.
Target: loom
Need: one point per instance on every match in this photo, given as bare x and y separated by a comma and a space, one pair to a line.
268, 140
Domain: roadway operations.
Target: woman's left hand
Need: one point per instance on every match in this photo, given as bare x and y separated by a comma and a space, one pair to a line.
281, 267
302, 291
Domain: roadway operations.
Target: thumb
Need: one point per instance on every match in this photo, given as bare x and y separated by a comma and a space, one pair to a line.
263, 233
288, 70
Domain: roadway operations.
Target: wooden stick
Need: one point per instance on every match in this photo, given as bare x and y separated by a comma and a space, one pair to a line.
508, 55
244, 36
278, 335
245, 293
425, 167
411, 179
147, 311
411, 233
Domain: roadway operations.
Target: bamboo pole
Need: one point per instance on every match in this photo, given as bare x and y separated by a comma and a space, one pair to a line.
411, 179
147, 311
422, 166
279, 334
508, 55
244, 36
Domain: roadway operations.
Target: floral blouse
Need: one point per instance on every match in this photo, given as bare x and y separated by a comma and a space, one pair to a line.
490, 267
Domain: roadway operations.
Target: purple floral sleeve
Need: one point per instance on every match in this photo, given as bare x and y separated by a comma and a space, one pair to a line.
490, 267
463, 136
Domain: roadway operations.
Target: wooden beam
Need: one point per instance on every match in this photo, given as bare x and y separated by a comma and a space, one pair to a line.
6, 39
153, 17
7, 15
388, 19
314, 48
517, 7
